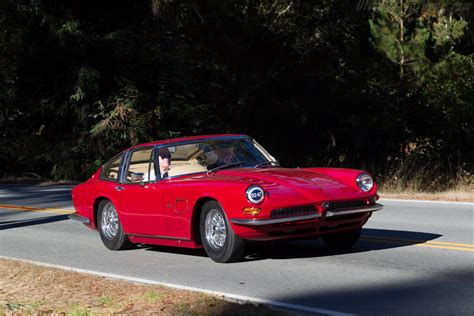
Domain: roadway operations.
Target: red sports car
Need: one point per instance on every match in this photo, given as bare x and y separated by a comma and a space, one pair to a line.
220, 192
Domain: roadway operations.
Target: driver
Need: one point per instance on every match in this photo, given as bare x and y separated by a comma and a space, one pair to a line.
164, 161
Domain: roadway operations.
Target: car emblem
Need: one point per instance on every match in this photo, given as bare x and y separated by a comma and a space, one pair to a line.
255, 194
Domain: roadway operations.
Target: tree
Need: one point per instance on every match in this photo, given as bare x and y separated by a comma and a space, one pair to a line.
407, 31
423, 39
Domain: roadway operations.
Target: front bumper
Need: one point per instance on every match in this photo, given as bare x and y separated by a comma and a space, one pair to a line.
271, 221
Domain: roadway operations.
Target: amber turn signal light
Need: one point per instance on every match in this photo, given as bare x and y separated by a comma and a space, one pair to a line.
251, 211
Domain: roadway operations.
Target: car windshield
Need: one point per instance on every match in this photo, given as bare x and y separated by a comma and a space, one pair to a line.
214, 155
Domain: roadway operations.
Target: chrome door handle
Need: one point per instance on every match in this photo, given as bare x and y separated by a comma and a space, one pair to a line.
119, 188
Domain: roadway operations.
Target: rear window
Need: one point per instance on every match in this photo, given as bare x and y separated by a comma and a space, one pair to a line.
110, 171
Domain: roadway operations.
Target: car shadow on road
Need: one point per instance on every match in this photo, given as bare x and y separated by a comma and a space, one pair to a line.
371, 240
32, 221
175, 250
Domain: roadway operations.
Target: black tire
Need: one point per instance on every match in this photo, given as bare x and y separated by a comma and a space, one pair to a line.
113, 241
343, 240
224, 249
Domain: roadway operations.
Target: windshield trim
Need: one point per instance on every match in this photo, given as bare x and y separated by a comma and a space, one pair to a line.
194, 141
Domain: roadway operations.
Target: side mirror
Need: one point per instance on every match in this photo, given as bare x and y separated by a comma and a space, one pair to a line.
137, 176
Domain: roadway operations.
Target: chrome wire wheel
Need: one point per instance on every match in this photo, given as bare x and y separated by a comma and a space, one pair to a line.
110, 221
216, 230
217, 236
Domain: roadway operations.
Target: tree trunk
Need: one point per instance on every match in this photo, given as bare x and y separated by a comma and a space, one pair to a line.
402, 41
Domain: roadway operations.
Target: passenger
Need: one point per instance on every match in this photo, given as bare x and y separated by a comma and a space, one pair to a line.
226, 155
164, 160
222, 156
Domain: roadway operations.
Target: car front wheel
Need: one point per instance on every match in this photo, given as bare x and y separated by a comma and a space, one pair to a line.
343, 240
218, 237
110, 229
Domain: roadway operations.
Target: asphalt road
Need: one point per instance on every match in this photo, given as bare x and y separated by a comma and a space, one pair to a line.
413, 258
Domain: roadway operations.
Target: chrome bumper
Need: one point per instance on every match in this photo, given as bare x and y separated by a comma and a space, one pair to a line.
80, 218
270, 221
259, 222
345, 211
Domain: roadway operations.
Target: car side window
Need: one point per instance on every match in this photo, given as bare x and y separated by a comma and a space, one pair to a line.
140, 168
110, 171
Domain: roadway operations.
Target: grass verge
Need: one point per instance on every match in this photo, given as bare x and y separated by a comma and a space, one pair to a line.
28, 289
417, 181
462, 192
454, 196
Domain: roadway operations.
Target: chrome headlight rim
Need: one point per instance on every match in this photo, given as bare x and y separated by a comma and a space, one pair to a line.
255, 194
365, 182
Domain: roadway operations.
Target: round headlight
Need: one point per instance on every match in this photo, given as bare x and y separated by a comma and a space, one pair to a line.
255, 194
365, 182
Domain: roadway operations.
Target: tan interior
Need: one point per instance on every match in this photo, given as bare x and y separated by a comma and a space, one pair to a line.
112, 173
143, 168
177, 168
185, 167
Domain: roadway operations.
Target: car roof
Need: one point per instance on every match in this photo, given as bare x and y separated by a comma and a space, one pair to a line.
186, 139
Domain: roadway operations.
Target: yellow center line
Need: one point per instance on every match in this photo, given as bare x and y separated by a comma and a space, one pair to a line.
36, 209
421, 243
414, 241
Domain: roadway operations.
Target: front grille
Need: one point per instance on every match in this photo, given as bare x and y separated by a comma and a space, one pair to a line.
336, 206
293, 211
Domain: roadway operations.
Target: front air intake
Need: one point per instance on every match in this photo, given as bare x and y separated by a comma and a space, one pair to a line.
294, 211
341, 205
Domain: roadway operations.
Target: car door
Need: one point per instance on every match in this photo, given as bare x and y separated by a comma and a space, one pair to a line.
140, 198
177, 208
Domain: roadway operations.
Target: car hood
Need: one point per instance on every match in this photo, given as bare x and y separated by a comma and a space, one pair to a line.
310, 184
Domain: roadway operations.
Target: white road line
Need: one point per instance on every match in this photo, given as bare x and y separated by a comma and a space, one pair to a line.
8, 195
234, 298
65, 190
427, 201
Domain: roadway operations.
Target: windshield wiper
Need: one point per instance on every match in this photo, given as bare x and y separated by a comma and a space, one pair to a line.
226, 166
272, 163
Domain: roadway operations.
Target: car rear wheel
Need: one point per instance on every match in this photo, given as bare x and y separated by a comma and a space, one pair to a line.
343, 240
218, 237
110, 229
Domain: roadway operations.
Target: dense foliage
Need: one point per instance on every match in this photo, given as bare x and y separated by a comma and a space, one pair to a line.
383, 85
